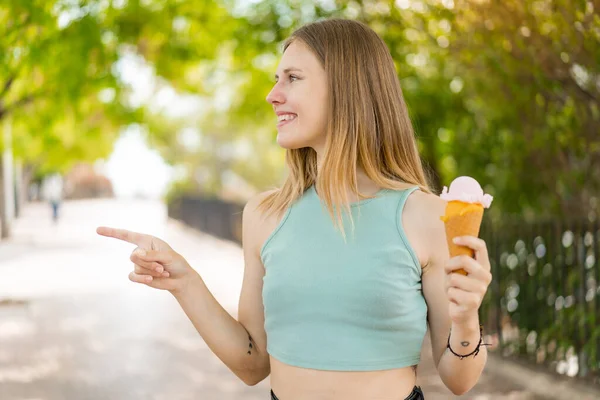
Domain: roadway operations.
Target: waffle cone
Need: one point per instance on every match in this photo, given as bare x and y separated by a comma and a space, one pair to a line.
462, 219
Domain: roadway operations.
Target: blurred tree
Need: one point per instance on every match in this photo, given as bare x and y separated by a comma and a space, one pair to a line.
505, 92
56, 67
531, 77
55, 62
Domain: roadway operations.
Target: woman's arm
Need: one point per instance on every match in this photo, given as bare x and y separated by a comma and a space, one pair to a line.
241, 345
227, 338
451, 309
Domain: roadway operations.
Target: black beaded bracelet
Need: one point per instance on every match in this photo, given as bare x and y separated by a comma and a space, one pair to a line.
474, 352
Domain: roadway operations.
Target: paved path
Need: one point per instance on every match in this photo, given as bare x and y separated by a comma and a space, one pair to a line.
73, 327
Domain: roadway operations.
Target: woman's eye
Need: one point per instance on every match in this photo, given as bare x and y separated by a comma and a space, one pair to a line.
292, 78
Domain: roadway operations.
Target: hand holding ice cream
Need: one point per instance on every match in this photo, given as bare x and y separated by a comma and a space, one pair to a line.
464, 212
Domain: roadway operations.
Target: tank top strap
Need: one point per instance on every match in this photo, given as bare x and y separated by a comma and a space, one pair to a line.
401, 198
396, 199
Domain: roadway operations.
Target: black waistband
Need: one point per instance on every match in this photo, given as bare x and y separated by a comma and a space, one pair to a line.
417, 394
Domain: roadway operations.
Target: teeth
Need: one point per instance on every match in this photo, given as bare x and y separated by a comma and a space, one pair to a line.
285, 117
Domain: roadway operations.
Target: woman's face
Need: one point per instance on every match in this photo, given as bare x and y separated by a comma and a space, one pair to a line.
299, 99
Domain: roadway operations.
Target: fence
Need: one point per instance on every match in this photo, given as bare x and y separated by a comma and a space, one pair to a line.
543, 304
544, 301
212, 216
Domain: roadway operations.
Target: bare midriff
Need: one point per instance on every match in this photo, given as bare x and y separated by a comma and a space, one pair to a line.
293, 383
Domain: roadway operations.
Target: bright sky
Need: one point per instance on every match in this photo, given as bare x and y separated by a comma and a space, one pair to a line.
133, 167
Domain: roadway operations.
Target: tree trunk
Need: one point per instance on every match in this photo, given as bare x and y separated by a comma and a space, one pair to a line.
7, 206
20, 188
4, 224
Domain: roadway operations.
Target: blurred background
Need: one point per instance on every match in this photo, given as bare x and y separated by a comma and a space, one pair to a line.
150, 115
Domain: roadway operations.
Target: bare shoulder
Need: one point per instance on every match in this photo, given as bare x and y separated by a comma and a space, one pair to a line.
251, 207
426, 232
428, 204
258, 224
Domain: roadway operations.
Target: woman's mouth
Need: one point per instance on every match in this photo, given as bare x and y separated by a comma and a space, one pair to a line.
285, 119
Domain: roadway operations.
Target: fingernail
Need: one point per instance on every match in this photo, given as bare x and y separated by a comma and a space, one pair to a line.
142, 252
148, 279
159, 269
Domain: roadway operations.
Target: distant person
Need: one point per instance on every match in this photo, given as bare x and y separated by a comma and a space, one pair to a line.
52, 191
336, 306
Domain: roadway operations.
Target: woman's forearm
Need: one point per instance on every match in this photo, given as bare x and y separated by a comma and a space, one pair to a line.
224, 335
460, 375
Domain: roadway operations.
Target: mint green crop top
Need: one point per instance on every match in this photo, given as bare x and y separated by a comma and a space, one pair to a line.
355, 306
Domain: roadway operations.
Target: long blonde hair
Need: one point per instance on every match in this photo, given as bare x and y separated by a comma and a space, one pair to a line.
368, 126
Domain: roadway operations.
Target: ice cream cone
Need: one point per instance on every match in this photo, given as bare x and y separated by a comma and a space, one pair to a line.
461, 219
464, 213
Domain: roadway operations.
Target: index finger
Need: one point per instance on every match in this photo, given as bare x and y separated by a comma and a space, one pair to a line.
122, 234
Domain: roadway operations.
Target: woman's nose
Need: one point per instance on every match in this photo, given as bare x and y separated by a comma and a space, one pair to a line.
275, 96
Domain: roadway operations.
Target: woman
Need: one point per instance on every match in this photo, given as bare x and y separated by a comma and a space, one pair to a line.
346, 263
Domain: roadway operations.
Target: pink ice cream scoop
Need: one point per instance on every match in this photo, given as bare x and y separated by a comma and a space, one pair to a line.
467, 190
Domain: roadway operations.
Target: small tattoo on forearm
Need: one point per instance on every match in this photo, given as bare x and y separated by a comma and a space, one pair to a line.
464, 344
249, 345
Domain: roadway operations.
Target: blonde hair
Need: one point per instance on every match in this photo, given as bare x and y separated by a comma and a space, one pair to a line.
369, 125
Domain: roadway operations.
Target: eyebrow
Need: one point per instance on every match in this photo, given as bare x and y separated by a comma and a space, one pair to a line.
288, 70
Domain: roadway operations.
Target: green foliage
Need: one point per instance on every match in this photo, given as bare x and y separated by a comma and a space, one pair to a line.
530, 69
503, 91
56, 81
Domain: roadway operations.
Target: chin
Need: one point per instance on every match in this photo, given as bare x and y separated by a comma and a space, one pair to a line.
290, 143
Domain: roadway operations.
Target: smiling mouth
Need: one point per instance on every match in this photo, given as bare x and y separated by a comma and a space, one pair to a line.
286, 120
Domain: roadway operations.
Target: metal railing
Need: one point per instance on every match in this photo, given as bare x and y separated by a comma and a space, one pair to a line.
209, 215
544, 300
